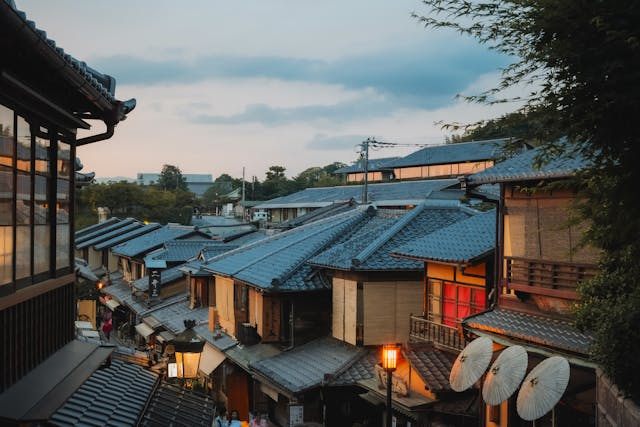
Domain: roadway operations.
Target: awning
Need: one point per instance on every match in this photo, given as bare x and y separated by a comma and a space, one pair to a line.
211, 359
144, 330
90, 333
112, 304
164, 336
81, 324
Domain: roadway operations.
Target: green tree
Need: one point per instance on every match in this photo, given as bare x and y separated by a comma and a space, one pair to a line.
579, 59
171, 179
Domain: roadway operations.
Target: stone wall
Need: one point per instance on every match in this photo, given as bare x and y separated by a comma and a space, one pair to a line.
613, 410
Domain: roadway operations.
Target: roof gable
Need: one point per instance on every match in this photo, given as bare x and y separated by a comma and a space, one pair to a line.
153, 240
453, 153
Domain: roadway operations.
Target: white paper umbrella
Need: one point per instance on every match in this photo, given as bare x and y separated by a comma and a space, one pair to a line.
505, 375
543, 388
471, 363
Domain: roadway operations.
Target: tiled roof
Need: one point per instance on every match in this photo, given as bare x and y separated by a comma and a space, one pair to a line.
374, 165
185, 250
522, 168
432, 365
115, 396
461, 242
362, 368
103, 230
277, 263
126, 228
152, 240
194, 268
138, 304
212, 251
218, 339
94, 227
317, 214
95, 88
306, 366
369, 246
172, 405
453, 153
405, 192
550, 332
166, 276
126, 237
173, 316
244, 238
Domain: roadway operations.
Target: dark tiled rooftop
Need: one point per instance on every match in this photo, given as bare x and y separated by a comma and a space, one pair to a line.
278, 263
453, 153
166, 276
362, 368
112, 396
395, 193
522, 168
172, 405
306, 366
115, 232
432, 365
106, 228
373, 165
557, 333
186, 250
127, 236
461, 242
369, 245
95, 227
152, 240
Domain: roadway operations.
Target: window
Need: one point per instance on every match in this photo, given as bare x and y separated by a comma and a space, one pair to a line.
31, 187
450, 302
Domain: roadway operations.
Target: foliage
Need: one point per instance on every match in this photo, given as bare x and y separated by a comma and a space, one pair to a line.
171, 179
579, 61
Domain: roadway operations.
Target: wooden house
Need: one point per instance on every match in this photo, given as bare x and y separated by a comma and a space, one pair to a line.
267, 297
46, 95
540, 262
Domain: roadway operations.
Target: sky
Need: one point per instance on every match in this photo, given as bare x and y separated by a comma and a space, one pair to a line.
226, 85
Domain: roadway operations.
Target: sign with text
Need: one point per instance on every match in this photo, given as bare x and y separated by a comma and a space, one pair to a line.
154, 283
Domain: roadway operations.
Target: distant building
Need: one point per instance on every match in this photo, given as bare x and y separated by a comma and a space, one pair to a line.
196, 182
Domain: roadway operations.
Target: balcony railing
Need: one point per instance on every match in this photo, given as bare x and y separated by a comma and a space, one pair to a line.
441, 335
546, 277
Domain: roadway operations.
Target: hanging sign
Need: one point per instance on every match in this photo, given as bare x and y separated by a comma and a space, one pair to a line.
154, 283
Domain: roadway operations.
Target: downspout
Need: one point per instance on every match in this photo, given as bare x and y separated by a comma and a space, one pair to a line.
99, 137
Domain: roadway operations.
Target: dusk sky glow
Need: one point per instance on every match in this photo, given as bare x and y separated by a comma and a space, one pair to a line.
222, 85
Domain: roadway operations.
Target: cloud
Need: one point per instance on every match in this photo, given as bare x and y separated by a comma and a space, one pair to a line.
321, 141
421, 78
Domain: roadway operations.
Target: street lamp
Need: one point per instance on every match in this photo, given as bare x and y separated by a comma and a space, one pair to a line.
389, 364
188, 348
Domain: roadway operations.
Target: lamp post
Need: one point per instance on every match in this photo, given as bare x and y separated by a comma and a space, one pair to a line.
389, 364
188, 348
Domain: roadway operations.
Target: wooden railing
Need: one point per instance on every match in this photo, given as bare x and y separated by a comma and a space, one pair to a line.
441, 335
546, 277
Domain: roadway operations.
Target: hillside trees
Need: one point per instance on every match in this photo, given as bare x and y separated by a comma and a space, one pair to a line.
578, 60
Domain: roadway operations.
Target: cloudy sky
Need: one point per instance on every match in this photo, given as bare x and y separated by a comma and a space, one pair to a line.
223, 85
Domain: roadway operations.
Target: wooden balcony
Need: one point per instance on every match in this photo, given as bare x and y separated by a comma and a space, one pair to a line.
440, 335
555, 279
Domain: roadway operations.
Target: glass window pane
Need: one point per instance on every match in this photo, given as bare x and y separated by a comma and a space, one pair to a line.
6, 254
6, 136
24, 146
62, 246
41, 201
6, 195
42, 156
64, 161
23, 199
41, 248
62, 205
23, 251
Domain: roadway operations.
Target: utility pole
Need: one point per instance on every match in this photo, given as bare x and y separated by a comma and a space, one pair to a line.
365, 189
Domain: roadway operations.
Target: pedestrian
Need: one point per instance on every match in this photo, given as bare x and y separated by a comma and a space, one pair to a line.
235, 419
106, 328
221, 419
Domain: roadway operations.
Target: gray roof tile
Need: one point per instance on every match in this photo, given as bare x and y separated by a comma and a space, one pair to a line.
186, 250
305, 366
153, 240
522, 168
362, 368
373, 165
453, 153
277, 263
382, 194
432, 365
369, 246
172, 405
123, 227
100, 225
461, 242
117, 393
126, 237
168, 275
545, 331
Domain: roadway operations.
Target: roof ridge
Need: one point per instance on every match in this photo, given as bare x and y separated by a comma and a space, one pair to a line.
336, 231
384, 237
